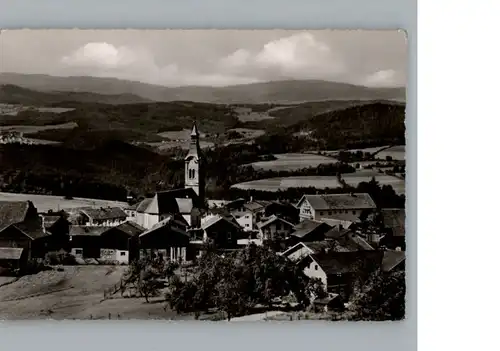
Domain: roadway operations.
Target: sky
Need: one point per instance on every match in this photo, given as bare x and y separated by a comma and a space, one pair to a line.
210, 57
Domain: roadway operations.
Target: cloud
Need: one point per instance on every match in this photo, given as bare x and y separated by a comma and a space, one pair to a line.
298, 56
382, 78
101, 55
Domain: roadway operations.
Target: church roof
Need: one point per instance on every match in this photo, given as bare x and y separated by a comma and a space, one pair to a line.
173, 201
194, 131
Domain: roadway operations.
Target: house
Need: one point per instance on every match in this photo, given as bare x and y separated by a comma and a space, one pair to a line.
115, 243
335, 206
57, 226
223, 232
13, 257
393, 225
333, 302
103, 216
309, 230
283, 210
85, 241
339, 270
21, 227
300, 250
274, 228
131, 211
168, 239
247, 214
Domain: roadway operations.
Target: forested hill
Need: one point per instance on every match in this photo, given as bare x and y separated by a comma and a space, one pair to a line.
377, 123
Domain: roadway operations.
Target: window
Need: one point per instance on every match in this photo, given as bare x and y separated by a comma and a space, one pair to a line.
79, 251
321, 213
315, 267
329, 213
247, 225
122, 253
228, 236
133, 214
247, 216
353, 212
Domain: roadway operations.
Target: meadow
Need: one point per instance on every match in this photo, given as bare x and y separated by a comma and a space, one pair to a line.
246, 114
292, 162
396, 152
283, 183
353, 179
47, 202
28, 129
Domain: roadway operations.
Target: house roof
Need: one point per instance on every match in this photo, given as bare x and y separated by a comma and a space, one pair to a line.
133, 206
104, 213
12, 212
392, 258
307, 226
162, 224
10, 253
33, 230
271, 220
143, 205
348, 239
50, 220
254, 206
130, 228
339, 201
84, 230
172, 201
209, 221
394, 218
337, 222
321, 246
348, 262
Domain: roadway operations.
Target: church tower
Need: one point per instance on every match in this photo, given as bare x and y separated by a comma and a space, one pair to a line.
194, 175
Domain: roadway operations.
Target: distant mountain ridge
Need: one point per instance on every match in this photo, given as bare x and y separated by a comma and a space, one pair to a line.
280, 92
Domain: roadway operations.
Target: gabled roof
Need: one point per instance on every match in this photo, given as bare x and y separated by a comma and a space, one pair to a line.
271, 220
12, 212
394, 218
307, 226
87, 230
209, 221
348, 239
254, 206
33, 230
104, 213
348, 262
167, 222
10, 253
339, 201
130, 228
392, 259
50, 220
173, 201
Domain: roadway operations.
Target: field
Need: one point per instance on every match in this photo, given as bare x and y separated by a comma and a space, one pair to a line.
246, 114
75, 293
291, 162
36, 129
13, 110
282, 183
46, 202
353, 179
181, 135
396, 152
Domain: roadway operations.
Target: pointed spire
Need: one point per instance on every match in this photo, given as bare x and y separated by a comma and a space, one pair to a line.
194, 131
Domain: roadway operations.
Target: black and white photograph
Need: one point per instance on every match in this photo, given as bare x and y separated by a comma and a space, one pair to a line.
209, 175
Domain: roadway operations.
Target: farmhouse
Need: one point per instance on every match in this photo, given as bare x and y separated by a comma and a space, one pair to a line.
335, 206
84, 241
339, 270
21, 227
247, 214
222, 232
274, 227
168, 239
116, 245
13, 257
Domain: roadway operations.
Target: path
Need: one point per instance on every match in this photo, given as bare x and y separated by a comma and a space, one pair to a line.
256, 317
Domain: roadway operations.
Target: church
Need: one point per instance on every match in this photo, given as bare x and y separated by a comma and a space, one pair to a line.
188, 201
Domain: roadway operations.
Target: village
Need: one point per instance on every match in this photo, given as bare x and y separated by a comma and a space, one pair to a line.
333, 239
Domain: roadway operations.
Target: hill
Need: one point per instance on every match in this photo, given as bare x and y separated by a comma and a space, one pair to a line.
282, 92
378, 123
12, 94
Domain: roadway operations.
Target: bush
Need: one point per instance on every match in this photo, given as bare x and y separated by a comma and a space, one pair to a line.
60, 257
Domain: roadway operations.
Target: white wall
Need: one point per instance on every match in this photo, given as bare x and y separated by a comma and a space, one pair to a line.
300, 252
115, 255
245, 219
337, 214
271, 230
306, 211
315, 271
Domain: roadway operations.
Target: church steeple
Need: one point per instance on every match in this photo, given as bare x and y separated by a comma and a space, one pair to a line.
194, 176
